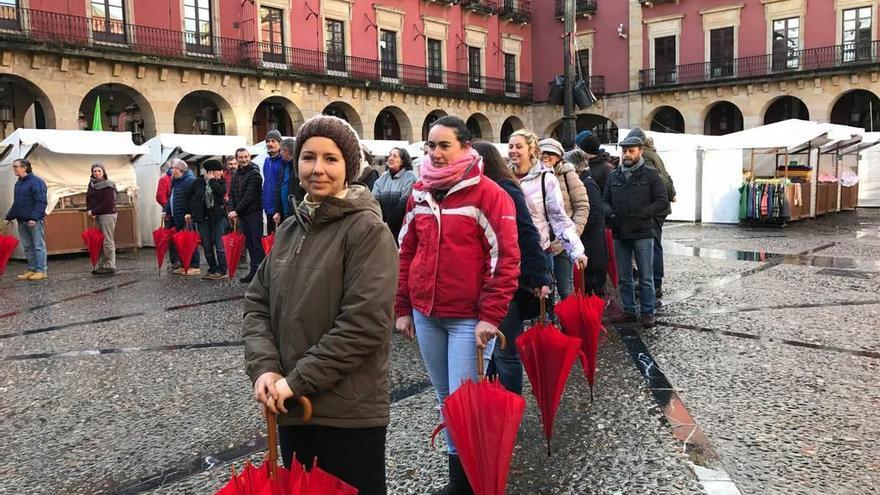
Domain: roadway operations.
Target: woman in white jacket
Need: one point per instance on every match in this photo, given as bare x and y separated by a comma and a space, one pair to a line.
544, 197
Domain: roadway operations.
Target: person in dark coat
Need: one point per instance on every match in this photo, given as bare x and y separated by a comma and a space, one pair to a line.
29, 201
593, 237
635, 194
367, 175
271, 169
597, 160
534, 279
101, 206
289, 192
182, 180
208, 210
393, 188
245, 207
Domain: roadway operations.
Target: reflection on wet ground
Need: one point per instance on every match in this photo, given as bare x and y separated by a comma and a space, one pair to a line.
69, 298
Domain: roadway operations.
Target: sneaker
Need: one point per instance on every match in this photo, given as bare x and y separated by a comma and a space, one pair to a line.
208, 275
623, 318
218, 276
38, 276
178, 271
95, 271
26, 275
193, 272
104, 272
647, 321
173, 268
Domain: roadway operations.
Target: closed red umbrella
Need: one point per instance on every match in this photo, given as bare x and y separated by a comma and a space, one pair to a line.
316, 481
233, 244
186, 241
161, 238
268, 242
581, 317
7, 246
612, 261
547, 355
94, 240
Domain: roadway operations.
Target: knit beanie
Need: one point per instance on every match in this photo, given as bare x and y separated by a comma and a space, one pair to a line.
274, 134
341, 133
590, 145
212, 165
579, 139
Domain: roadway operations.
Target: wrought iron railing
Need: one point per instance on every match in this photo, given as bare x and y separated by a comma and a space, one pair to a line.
774, 64
487, 7
581, 8
62, 29
516, 10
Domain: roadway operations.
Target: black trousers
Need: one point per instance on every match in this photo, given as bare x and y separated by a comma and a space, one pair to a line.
270, 223
252, 228
354, 455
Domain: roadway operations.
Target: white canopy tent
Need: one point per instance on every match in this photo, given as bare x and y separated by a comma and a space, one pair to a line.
188, 147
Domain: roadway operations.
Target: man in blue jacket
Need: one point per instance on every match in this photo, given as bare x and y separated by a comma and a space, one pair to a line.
272, 166
182, 180
29, 210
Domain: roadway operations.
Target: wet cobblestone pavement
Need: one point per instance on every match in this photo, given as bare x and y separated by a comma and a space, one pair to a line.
768, 338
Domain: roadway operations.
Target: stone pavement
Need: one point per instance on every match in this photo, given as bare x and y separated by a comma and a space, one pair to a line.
761, 378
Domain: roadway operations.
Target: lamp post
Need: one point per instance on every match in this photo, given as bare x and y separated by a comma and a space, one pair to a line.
569, 128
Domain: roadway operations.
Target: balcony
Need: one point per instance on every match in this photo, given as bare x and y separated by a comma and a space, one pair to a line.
485, 7
61, 31
839, 58
651, 3
516, 11
582, 8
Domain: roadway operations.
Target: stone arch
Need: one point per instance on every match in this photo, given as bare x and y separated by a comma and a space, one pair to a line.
124, 109
666, 119
206, 107
19, 97
392, 124
722, 118
432, 116
783, 108
510, 124
345, 112
479, 126
276, 112
858, 108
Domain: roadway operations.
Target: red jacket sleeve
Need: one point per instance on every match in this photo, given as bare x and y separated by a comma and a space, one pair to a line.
163, 190
503, 280
408, 244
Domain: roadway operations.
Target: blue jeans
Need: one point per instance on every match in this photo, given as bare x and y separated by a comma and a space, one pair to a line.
33, 242
658, 254
450, 353
212, 231
643, 249
563, 270
506, 362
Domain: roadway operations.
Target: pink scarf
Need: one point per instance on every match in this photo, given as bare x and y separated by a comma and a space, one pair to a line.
444, 178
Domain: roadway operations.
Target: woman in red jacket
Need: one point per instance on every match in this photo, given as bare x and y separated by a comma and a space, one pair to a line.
459, 264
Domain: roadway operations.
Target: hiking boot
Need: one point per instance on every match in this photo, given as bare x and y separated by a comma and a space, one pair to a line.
458, 482
104, 272
38, 276
26, 275
623, 318
647, 321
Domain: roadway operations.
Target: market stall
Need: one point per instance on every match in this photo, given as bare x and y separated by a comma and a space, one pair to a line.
64, 159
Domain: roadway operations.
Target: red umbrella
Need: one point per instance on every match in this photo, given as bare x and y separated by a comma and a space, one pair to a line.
268, 242
581, 317
161, 238
94, 239
612, 261
547, 355
316, 481
233, 243
186, 241
7, 246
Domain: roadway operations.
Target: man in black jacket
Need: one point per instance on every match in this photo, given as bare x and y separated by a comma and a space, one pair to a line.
208, 210
633, 197
246, 208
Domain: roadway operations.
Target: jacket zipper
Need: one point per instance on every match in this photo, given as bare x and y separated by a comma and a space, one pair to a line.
439, 210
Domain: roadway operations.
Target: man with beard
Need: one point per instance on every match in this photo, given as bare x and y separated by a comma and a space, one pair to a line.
634, 196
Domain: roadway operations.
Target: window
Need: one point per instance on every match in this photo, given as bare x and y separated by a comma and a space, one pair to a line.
509, 73
388, 53
582, 66
664, 59
786, 42
857, 34
9, 14
335, 45
272, 32
197, 25
108, 21
435, 61
721, 52
475, 79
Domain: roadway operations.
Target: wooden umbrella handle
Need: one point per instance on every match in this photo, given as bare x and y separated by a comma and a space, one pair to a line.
307, 407
543, 309
502, 341
272, 431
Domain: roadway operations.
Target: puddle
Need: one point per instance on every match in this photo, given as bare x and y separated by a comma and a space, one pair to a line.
71, 298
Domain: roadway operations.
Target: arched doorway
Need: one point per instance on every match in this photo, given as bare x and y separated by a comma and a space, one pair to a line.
479, 126
276, 113
858, 108
122, 109
510, 125
605, 129
392, 124
784, 108
347, 113
203, 112
429, 121
723, 118
667, 119
23, 104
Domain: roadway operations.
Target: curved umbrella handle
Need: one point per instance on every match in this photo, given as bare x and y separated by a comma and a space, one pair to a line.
272, 433
502, 341
307, 407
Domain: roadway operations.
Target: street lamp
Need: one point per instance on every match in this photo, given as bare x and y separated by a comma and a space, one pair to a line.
201, 122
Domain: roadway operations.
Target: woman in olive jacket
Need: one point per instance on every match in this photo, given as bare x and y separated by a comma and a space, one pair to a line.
318, 315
